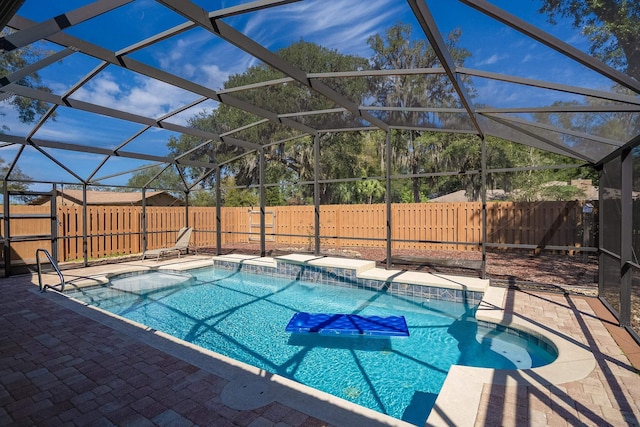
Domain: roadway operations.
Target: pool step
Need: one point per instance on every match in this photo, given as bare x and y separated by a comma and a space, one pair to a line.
427, 279
246, 260
363, 269
358, 265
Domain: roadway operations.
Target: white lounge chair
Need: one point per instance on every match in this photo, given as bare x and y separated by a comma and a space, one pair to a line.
182, 244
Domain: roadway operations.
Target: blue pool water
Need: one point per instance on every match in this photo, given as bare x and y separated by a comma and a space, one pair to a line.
244, 316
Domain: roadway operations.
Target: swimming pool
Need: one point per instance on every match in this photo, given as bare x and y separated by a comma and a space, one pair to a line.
243, 316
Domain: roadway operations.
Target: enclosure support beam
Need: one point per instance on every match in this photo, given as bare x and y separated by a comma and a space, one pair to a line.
218, 213
55, 25
483, 194
144, 220
428, 24
387, 165
626, 243
554, 43
601, 226
85, 229
6, 231
53, 209
261, 167
186, 210
42, 143
550, 144
316, 191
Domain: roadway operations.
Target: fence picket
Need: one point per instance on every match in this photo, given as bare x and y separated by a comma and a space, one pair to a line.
117, 229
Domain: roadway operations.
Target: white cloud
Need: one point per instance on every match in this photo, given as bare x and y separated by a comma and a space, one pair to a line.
9, 118
60, 129
345, 25
493, 59
203, 58
182, 49
75, 133
143, 96
215, 77
496, 94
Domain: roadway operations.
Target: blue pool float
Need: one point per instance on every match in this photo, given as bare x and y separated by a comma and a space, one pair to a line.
348, 324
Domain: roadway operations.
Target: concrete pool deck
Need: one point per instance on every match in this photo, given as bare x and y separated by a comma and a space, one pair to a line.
63, 363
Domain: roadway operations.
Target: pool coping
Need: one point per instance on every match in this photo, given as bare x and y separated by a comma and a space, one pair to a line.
459, 399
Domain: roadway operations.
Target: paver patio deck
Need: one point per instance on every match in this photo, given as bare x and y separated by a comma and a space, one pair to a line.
62, 363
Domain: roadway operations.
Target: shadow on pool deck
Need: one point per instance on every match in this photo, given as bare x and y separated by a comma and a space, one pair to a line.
64, 363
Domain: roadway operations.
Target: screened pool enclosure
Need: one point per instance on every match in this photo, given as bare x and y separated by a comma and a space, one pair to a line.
453, 132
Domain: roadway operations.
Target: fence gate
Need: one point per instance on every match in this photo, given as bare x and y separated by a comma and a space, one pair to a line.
269, 226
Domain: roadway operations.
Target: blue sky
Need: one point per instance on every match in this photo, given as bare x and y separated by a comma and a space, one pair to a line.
198, 56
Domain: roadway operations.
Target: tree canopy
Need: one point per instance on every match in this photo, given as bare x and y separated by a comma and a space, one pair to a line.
28, 109
436, 162
612, 26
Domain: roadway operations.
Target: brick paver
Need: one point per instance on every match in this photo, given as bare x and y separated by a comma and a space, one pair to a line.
609, 396
58, 367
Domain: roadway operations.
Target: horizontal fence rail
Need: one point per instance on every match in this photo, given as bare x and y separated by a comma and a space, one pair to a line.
118, 230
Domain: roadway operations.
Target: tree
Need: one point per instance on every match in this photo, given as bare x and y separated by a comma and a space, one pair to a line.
28, 109
16, 185
15, 60
544, 184
612, 26
234, 196
168, 179
339, 158
618, 126
292, 161
370, 190
202, 197
395, 51
212, 151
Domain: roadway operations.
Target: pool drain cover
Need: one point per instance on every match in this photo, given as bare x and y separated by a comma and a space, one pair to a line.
246, 394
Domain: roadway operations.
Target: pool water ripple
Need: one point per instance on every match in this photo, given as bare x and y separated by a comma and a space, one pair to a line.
243, 316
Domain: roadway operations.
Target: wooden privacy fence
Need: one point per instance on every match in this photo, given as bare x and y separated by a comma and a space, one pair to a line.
117, 230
